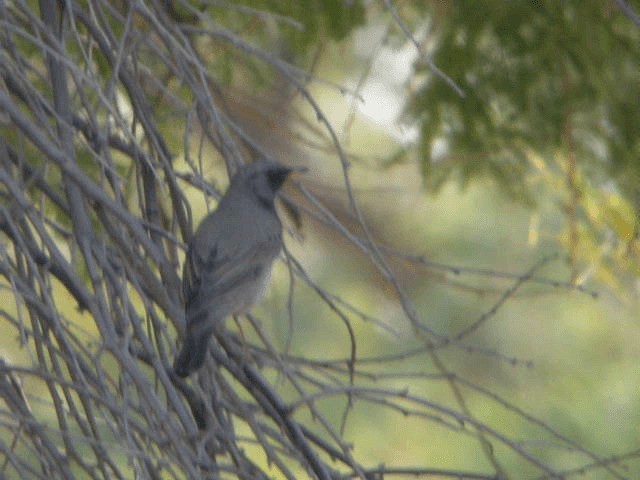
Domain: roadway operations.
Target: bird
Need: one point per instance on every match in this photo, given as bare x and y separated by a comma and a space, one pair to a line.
229, 258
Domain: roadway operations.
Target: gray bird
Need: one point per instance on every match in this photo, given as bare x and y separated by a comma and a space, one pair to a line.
228, 262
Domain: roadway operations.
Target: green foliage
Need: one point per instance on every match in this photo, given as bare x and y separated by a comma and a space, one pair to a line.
543, 76
332, 18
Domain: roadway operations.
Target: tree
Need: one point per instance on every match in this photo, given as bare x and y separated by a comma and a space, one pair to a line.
113, 116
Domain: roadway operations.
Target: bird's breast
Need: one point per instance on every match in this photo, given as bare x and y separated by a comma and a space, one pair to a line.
256, 290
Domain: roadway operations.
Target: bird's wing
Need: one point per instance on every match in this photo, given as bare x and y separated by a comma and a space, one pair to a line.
211, 272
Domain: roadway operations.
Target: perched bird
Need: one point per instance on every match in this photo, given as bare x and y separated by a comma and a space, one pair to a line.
228, 262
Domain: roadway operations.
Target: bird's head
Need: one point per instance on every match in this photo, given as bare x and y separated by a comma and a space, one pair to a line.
263, 178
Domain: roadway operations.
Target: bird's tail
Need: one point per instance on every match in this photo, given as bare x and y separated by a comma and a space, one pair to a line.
193, 352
